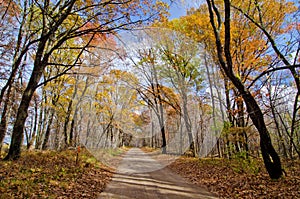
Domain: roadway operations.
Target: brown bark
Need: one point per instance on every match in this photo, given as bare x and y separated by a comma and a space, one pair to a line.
270, 156
4, 117
18, 129
40, 62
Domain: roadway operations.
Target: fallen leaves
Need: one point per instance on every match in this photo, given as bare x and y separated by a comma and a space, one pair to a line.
53, 175
234, 179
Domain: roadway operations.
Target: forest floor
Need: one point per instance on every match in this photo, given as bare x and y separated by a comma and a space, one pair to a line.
239, 178
52, 174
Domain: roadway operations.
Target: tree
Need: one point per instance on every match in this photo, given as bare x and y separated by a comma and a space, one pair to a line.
115, 102
181, 68
263, 18
59, 22
8, 10
151, 93
145, 58
270, 156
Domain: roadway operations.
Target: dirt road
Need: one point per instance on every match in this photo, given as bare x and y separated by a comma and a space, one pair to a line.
140, 176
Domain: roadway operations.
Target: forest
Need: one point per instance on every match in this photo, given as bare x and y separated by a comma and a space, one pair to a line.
220, 83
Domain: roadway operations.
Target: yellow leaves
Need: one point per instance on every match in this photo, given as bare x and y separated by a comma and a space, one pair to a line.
194, 26
270, 19
35, 170
163, 8
117, 73
115, 96
102, 96
248, 45
53, 182
84, 3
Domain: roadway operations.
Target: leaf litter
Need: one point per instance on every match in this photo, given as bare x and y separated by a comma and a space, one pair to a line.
51, 174
239, 178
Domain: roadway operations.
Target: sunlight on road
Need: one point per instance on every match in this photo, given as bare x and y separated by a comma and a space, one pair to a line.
140, 176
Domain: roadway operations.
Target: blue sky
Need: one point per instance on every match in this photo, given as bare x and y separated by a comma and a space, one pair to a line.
177, 9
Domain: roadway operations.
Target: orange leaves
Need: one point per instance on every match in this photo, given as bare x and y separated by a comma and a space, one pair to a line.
96, 38
257, 94
270, 19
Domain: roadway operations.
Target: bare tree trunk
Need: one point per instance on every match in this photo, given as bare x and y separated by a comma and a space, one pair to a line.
41, 122
212, 101
152, 129
242, 135
281, 141
47, 134
57, 135
293, 126
229, 115
5, 116
73, 142
66, 125
188, 126
33, 136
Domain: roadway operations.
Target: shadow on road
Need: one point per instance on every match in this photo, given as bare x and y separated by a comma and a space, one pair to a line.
140, 176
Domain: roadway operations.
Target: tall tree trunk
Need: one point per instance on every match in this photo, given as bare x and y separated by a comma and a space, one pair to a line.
57, 135
293, 126
159, 110
188, 126
152, 129
33, 136
67, 139
162, 127
73, 141
270, 156
5, 116
18, 129
242, 135
181, 135
38, 138
72, 137
88, 131
47, 134
281, 139
212, 101
229, 115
